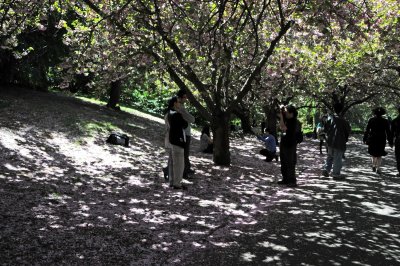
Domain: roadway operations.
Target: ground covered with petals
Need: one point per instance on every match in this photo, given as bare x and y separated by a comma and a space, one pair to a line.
68, 197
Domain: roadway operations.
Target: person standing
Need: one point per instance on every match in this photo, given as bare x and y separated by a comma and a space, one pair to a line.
321, 134
177, 139
395, 125
167, 145
375, 136
338, 131
206, 142
290, 126
182, 97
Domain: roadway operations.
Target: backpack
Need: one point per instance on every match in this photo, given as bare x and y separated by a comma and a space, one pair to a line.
118, 139
299, 133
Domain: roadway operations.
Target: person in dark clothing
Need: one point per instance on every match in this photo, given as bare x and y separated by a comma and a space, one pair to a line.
177, 139
338, 131
321, 134
182, 98
288, 145
206, 142
395, 130
375, 136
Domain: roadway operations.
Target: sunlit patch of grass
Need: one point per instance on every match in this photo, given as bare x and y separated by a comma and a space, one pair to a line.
140, 113
93, 128
91, 100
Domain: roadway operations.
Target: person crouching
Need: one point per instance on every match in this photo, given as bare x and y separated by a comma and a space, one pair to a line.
270, 146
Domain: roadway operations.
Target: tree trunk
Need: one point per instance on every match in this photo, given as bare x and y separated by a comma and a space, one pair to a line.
245, 121
220, 128
7, 68
115, 93
271, 120
246, 124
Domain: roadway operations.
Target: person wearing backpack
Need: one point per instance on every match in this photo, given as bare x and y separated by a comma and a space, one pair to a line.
338, 131
291, 136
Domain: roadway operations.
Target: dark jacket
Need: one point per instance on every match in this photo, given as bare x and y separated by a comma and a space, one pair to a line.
289, 138
378, 130
338, 131
177, 129
395, 129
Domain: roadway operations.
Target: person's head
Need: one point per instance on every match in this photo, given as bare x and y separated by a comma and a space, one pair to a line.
290, 112
379, 111
182, 95
173, 103
338, 108
267, 131
206, 130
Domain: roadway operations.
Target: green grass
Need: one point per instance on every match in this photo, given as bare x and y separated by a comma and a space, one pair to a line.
91, 128
130, 110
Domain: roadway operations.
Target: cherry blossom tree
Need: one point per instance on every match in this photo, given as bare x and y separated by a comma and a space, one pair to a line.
213, 49
16, 17
343, 57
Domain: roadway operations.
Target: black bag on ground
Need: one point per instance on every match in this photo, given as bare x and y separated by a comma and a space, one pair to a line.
118, 139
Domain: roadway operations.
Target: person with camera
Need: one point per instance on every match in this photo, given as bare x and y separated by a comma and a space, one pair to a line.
289, 125
270, 146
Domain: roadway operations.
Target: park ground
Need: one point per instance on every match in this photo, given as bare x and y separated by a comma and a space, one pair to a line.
68, 198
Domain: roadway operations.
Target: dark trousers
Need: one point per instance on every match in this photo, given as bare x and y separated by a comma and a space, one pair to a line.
288, 164
209, 149
397, 153
268, 154
186, 155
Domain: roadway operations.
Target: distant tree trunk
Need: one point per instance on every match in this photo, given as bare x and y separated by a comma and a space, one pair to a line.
81, 83
42, 83
246, 124
115, 93
220, 126
271, 118
245, 121
7, 68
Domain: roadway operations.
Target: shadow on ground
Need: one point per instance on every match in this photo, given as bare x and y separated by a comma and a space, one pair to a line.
69, 198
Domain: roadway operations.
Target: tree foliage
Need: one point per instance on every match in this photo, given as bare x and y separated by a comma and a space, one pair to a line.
232, 57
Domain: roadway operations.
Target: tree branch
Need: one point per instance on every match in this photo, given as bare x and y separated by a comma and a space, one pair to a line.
247, 85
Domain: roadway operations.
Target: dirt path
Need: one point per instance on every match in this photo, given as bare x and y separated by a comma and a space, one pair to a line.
69, 198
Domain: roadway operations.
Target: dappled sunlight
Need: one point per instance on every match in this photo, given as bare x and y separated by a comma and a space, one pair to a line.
248, 257
382, 209
59, 187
